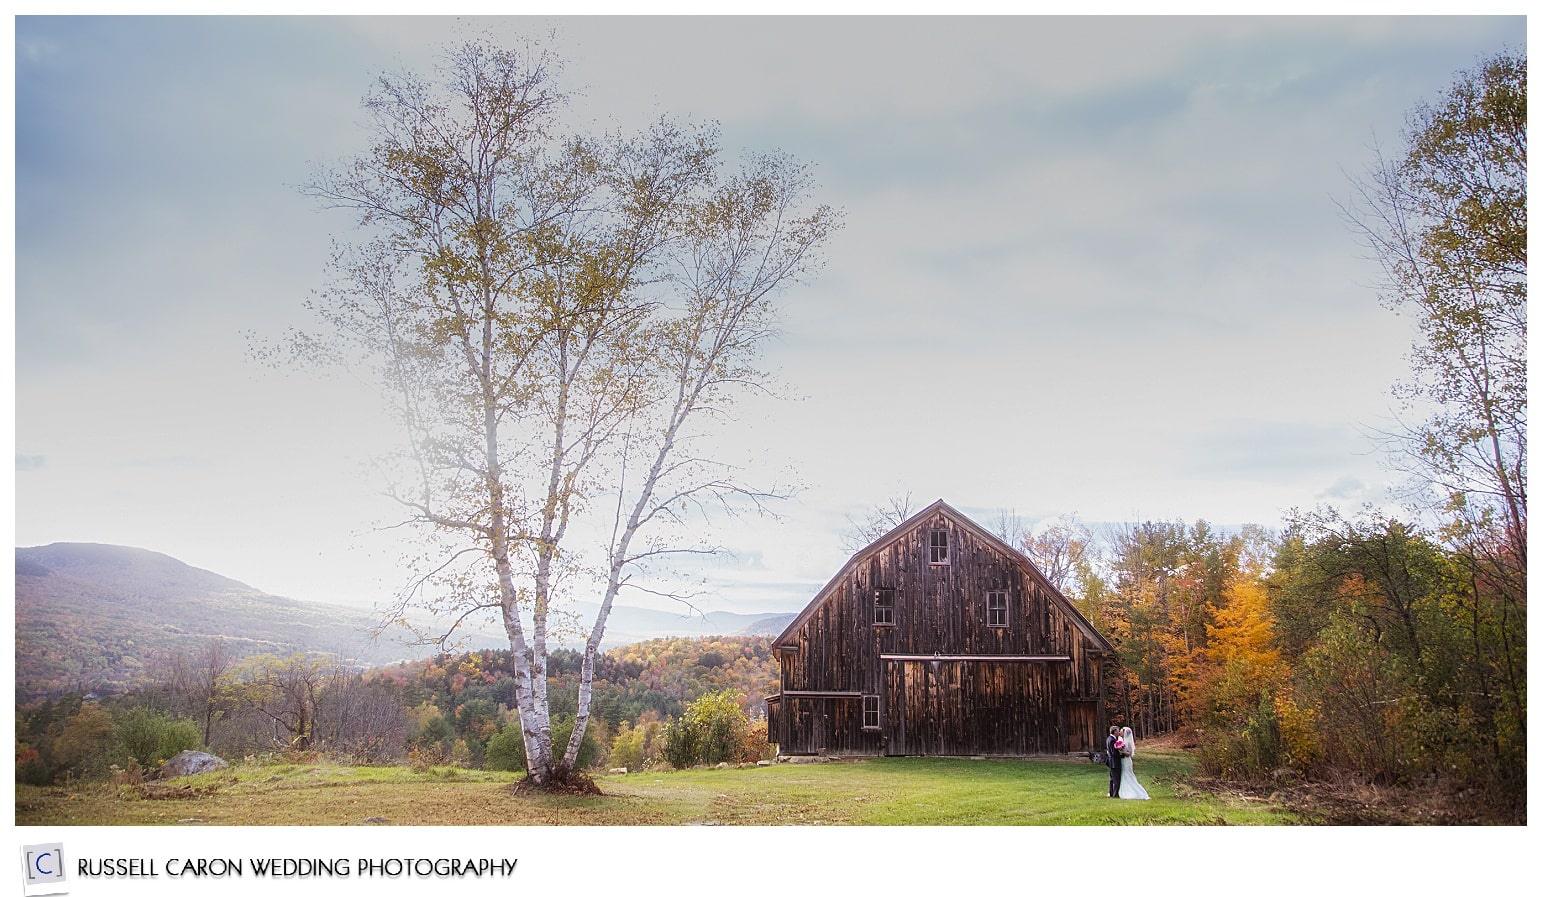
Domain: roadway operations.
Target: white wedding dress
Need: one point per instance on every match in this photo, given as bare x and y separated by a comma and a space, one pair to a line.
1129, 788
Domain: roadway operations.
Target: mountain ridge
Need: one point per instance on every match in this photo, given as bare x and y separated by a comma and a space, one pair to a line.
91, 616
94, 616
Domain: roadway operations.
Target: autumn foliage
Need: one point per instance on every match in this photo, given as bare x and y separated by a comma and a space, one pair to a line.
452, 709
1344, 646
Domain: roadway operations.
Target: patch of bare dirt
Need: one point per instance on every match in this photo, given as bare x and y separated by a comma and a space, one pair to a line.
562, 781
1181, 740
158, 791
1347, 800
1351, 802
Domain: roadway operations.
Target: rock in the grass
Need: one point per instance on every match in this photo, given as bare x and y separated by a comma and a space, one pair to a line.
762, 762
618, 771
189, 763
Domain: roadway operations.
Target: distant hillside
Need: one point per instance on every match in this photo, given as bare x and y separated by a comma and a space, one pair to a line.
90, 617
772, 625
627, 625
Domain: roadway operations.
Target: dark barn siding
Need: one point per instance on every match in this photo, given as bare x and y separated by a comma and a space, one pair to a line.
950, 708
774, 719
831, 725
960, 706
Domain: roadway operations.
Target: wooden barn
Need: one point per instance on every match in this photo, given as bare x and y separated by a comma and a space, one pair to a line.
939, 639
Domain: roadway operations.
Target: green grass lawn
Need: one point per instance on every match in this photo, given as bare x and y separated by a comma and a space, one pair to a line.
885, 791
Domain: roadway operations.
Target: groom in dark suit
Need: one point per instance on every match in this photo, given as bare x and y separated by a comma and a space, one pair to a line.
1115, 768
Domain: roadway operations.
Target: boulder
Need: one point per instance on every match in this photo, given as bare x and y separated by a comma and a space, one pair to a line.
189, 763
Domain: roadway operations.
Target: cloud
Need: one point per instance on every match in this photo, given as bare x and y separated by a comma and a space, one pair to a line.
1344, 489
1089, 264
1261, 449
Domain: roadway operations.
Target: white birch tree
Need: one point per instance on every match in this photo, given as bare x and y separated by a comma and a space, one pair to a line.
547, 313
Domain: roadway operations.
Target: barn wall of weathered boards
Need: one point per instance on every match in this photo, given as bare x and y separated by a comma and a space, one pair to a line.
939, 639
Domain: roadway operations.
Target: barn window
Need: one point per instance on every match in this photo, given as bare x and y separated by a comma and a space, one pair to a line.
883, 607
995, 608
939, 546
870, 711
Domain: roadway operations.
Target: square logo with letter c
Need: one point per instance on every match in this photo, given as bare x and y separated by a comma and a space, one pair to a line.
44, 865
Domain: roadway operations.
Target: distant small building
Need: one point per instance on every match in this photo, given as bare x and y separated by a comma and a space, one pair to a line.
939, 639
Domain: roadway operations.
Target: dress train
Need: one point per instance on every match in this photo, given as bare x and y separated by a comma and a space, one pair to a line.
1129, 788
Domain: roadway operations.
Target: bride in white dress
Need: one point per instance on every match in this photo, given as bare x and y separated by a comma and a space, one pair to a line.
1129, 788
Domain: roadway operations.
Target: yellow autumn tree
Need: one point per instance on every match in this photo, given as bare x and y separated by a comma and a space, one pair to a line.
1243, 630
1249, 723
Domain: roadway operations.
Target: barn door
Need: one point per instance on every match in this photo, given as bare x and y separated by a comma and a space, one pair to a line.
1082, 720
965, 707
813, 722
923, 702
940, 708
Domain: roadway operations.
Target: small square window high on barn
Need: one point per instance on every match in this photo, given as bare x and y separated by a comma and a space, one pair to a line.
939, 546
996, 609
870, 712
883, 607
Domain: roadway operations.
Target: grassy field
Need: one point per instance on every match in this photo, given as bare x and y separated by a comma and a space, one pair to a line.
890, 791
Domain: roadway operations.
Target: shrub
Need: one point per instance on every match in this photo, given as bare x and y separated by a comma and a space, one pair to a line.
682, 744
713, 729
637, 747
753, 744
31, 768
86, 747
506, 750
150, 737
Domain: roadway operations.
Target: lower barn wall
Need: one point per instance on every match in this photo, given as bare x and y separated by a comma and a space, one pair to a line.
973, 708
831, 725
941, 708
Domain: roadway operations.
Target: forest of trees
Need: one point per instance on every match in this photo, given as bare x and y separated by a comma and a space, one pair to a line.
451, 709
1345, 645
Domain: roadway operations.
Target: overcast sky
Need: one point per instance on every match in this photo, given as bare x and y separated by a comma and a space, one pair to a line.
1088, 265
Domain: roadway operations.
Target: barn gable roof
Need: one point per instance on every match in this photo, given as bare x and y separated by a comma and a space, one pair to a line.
918, 519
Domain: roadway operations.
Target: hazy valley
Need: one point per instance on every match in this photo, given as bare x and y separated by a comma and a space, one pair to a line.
90, 617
